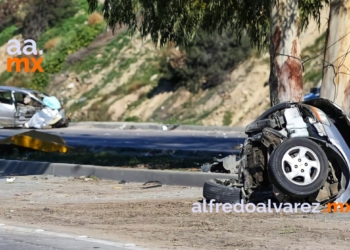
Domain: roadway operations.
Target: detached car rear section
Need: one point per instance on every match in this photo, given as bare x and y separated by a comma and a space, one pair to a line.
18, 106
293, 152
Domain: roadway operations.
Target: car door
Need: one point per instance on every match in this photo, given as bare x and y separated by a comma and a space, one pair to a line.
24, 111
7, 108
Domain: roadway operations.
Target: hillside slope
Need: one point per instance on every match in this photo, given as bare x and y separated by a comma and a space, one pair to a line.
101, 76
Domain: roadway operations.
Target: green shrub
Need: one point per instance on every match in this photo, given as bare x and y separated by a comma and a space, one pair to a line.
227, 119
132, 119
208, 61
41, 14
39, 81
81, 37
47, 19
10, 14
7, 34
5, 76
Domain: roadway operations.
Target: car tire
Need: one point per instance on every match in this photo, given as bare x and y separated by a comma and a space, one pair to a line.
298, 167
212, 190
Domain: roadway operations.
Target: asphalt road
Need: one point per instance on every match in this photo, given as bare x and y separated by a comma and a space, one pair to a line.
221, 142
12, 238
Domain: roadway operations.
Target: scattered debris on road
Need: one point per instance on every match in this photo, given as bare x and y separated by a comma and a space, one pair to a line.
159, 218
10, 179
151, 184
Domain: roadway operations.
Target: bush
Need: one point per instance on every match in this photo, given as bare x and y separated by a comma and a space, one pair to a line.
10, 13
7, 34
207, 62
95, 18
39, 81
75, 37
57, 27
42, 14
132, 119
52, 43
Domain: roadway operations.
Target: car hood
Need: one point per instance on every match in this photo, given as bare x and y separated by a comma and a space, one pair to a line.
329, 108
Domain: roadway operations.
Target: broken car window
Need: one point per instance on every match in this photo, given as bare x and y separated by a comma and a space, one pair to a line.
19, 97
38, 95
23, 99
5, 97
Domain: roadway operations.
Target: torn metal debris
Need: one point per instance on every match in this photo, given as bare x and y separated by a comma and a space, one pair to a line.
148, 184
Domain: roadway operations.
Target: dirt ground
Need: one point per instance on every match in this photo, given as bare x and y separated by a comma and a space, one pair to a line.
158, 218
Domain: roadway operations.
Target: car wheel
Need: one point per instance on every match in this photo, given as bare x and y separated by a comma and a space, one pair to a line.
214, 190
298, 166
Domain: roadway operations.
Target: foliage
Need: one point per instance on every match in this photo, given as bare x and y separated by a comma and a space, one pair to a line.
10, 13
208, 61
98, 112
95, 18
97, 63
313, 76
7, 34
45, 20
39, 81
75, 35
227, 119
311, 9
180, 21
313, 73
132, 119
34, 16
41, 14
5, 76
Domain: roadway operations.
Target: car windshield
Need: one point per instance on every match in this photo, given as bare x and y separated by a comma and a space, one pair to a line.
39, 95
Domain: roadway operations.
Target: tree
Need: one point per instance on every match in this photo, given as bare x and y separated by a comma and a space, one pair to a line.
41, 14
9, 13
336, 73
180, 20
286, 74
206, 63
32, 17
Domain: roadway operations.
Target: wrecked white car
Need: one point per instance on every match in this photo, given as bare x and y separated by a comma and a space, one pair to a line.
294, 152
25, 108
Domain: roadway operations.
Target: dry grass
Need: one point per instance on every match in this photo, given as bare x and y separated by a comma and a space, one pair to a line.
52, 43
135, 86
95, 18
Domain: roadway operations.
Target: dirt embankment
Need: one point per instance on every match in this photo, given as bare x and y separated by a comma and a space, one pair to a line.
118, 77
124, 83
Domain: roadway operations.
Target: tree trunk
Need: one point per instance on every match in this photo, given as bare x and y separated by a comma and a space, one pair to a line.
336, 71
286, 70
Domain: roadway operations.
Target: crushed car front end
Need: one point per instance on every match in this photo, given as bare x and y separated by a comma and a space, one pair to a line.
293, 152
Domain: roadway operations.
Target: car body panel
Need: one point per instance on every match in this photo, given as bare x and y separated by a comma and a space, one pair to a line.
341, 142
7, 108
314, 93
337, 140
